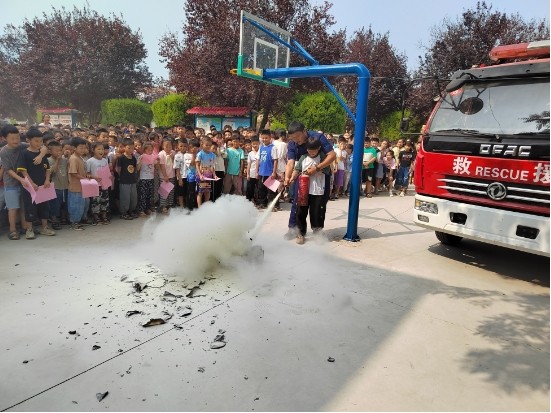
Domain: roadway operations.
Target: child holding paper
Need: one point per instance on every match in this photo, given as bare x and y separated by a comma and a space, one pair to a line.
146, 169
266, 168
100, 204
204, 162
35, 176
75, 202
128, 179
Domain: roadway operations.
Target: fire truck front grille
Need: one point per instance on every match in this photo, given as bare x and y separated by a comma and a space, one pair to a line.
513, 192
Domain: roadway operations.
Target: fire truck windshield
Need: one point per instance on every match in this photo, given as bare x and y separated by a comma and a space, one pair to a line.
500, 107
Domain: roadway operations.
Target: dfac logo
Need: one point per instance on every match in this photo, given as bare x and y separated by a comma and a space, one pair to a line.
497, 191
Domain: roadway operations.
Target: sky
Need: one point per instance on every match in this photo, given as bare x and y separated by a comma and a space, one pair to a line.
407, 23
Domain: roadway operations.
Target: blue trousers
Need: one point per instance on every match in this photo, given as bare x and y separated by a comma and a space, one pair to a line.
75, 206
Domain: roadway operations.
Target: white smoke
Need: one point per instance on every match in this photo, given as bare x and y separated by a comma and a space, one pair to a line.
191, 245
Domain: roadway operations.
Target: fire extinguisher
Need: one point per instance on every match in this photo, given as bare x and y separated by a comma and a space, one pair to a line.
303, 190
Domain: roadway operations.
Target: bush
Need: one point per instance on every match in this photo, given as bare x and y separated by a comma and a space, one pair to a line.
171, 110
389, 127
319, 111
125, 111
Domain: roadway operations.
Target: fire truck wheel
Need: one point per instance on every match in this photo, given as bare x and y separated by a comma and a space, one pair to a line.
448, 239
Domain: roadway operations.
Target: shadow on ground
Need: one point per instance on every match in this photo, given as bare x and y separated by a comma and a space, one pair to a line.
519, 339
503, 261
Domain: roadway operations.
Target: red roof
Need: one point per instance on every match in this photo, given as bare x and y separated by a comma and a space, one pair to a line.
219, 110
56, 110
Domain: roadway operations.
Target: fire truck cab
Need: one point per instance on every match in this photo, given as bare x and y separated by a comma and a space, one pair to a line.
482, 171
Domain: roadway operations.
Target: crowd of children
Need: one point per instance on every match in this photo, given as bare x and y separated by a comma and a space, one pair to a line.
152, 170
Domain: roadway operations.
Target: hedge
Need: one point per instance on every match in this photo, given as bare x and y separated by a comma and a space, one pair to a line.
125, 111
171, 110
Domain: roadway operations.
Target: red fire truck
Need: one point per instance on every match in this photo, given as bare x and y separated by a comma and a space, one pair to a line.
482, 171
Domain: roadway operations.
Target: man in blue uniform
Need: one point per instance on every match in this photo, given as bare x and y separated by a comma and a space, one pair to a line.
298, 136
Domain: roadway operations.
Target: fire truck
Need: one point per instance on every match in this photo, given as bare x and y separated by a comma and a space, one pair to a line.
482, 171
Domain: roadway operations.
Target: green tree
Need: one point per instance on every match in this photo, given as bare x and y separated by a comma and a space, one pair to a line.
171, 109
72, 58
125, 111
319, 111
389, 127
466, 41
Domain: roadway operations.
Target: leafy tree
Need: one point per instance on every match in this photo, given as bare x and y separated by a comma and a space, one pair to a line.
125, 111
200, 62
159, 89
74, 58
171, 109
389, 126
319, 110
12, 103
388, 74
460, 44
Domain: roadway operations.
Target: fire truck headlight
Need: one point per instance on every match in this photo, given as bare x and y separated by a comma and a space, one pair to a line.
424, 206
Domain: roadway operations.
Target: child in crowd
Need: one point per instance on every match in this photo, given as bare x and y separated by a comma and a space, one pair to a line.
100, 204
381, 171
316, 188
193, 149
180, 189
35, 176
340, 161
218, 148
204, 163
235, 157
266, 169
60, 179
128, 179
75, 202
405, 160
348, 168
114, 195
368, 171
146, 168
167, 174
390, 169
246, 149
252, 170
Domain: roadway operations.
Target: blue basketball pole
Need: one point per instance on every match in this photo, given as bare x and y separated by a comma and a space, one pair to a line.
364, 77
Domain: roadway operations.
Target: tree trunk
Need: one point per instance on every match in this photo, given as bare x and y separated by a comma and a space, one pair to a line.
265, 113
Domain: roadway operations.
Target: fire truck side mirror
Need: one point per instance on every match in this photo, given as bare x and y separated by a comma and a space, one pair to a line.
404, 125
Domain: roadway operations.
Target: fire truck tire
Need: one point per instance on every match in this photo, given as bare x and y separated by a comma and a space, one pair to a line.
448, 239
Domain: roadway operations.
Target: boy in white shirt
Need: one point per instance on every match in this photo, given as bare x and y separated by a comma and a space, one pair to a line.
252, 167
316, 189
178, 166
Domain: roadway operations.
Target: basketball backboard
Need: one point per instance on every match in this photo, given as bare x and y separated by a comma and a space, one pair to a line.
258, 50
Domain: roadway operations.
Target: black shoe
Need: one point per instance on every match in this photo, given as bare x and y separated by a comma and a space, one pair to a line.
56, 226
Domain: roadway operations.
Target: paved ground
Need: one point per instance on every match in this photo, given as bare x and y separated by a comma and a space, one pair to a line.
411, 324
